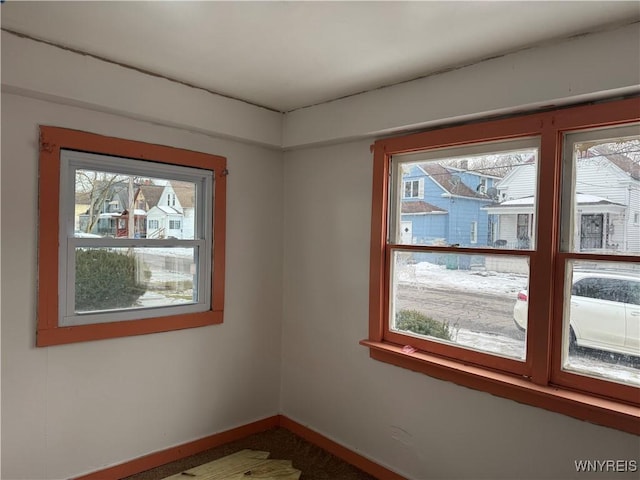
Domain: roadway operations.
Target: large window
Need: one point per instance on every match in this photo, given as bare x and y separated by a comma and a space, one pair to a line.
538, 299
107, 268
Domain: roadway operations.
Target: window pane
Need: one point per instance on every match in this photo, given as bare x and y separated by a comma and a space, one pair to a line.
602, 320
602, 179
473, 301
476, 200
163, 208
133, 278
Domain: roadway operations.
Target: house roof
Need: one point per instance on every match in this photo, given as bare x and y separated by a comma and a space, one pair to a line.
581, 199
418, 206
623, 162
164, 209
152, 194
450, 182
185, 192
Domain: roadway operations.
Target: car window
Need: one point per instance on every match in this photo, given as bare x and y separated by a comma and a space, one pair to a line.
611, 289
632, 290
587, 287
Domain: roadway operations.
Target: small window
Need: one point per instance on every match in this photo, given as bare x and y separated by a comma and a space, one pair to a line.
412, 189
474, 232
174, 224
110, 273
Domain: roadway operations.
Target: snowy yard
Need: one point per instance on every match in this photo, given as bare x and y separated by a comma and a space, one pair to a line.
470, 281
461, 286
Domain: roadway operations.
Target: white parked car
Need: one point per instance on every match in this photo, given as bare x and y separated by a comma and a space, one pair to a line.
604, 314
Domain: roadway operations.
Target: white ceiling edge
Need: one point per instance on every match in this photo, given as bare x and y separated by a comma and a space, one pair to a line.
39, 70
589, 67
586, 68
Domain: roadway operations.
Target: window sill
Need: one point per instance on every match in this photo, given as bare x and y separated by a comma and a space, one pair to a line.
593, 409
99, 331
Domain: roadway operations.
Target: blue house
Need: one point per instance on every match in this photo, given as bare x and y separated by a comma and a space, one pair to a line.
442, 205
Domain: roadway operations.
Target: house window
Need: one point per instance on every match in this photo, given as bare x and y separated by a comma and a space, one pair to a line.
473, 234
153, 224
174, 225
528, 273
105, 281
412, 189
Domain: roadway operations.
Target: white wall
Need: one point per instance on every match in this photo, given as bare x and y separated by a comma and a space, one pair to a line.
416, 425
44, 71
76, 408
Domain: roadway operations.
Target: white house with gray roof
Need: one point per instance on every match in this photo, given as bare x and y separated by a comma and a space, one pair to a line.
606, 205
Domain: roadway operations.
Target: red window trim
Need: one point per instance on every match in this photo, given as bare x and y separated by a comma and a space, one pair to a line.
539, 381
52, 140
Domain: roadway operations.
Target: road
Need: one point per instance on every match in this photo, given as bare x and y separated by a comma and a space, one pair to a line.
472, 311
493, 315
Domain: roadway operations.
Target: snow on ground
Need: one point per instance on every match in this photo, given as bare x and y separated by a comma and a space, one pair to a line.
497, 283
166, 251
618, 372
488, 342
473, 281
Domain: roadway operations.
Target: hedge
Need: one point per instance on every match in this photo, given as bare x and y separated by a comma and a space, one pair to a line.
106, 280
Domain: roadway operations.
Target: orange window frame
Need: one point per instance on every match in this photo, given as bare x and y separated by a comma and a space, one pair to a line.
52, 141
539, 380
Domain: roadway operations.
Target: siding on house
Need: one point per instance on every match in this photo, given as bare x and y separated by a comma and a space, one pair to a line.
520, 182
454, 204
595, 176
633, 227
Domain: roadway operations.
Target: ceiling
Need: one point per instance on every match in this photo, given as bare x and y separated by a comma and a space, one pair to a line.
289, 55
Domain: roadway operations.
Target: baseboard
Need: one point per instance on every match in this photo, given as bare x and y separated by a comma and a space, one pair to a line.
342, 452
181, 451
172, 454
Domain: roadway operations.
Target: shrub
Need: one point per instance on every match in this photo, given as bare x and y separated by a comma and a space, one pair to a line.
416, 322
106, 280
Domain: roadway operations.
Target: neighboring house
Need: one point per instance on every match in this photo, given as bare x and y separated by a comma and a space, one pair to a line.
173, 214
607, 205
98, 208
185, 193
110, 216
443, 205
164, 222
148, 196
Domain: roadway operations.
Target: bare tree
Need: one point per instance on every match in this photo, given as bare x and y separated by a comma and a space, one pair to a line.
98, 187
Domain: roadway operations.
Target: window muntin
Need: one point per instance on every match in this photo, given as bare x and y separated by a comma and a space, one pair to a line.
468, 194
601, 189
184, 269
413, 189
541, 381
157, 259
